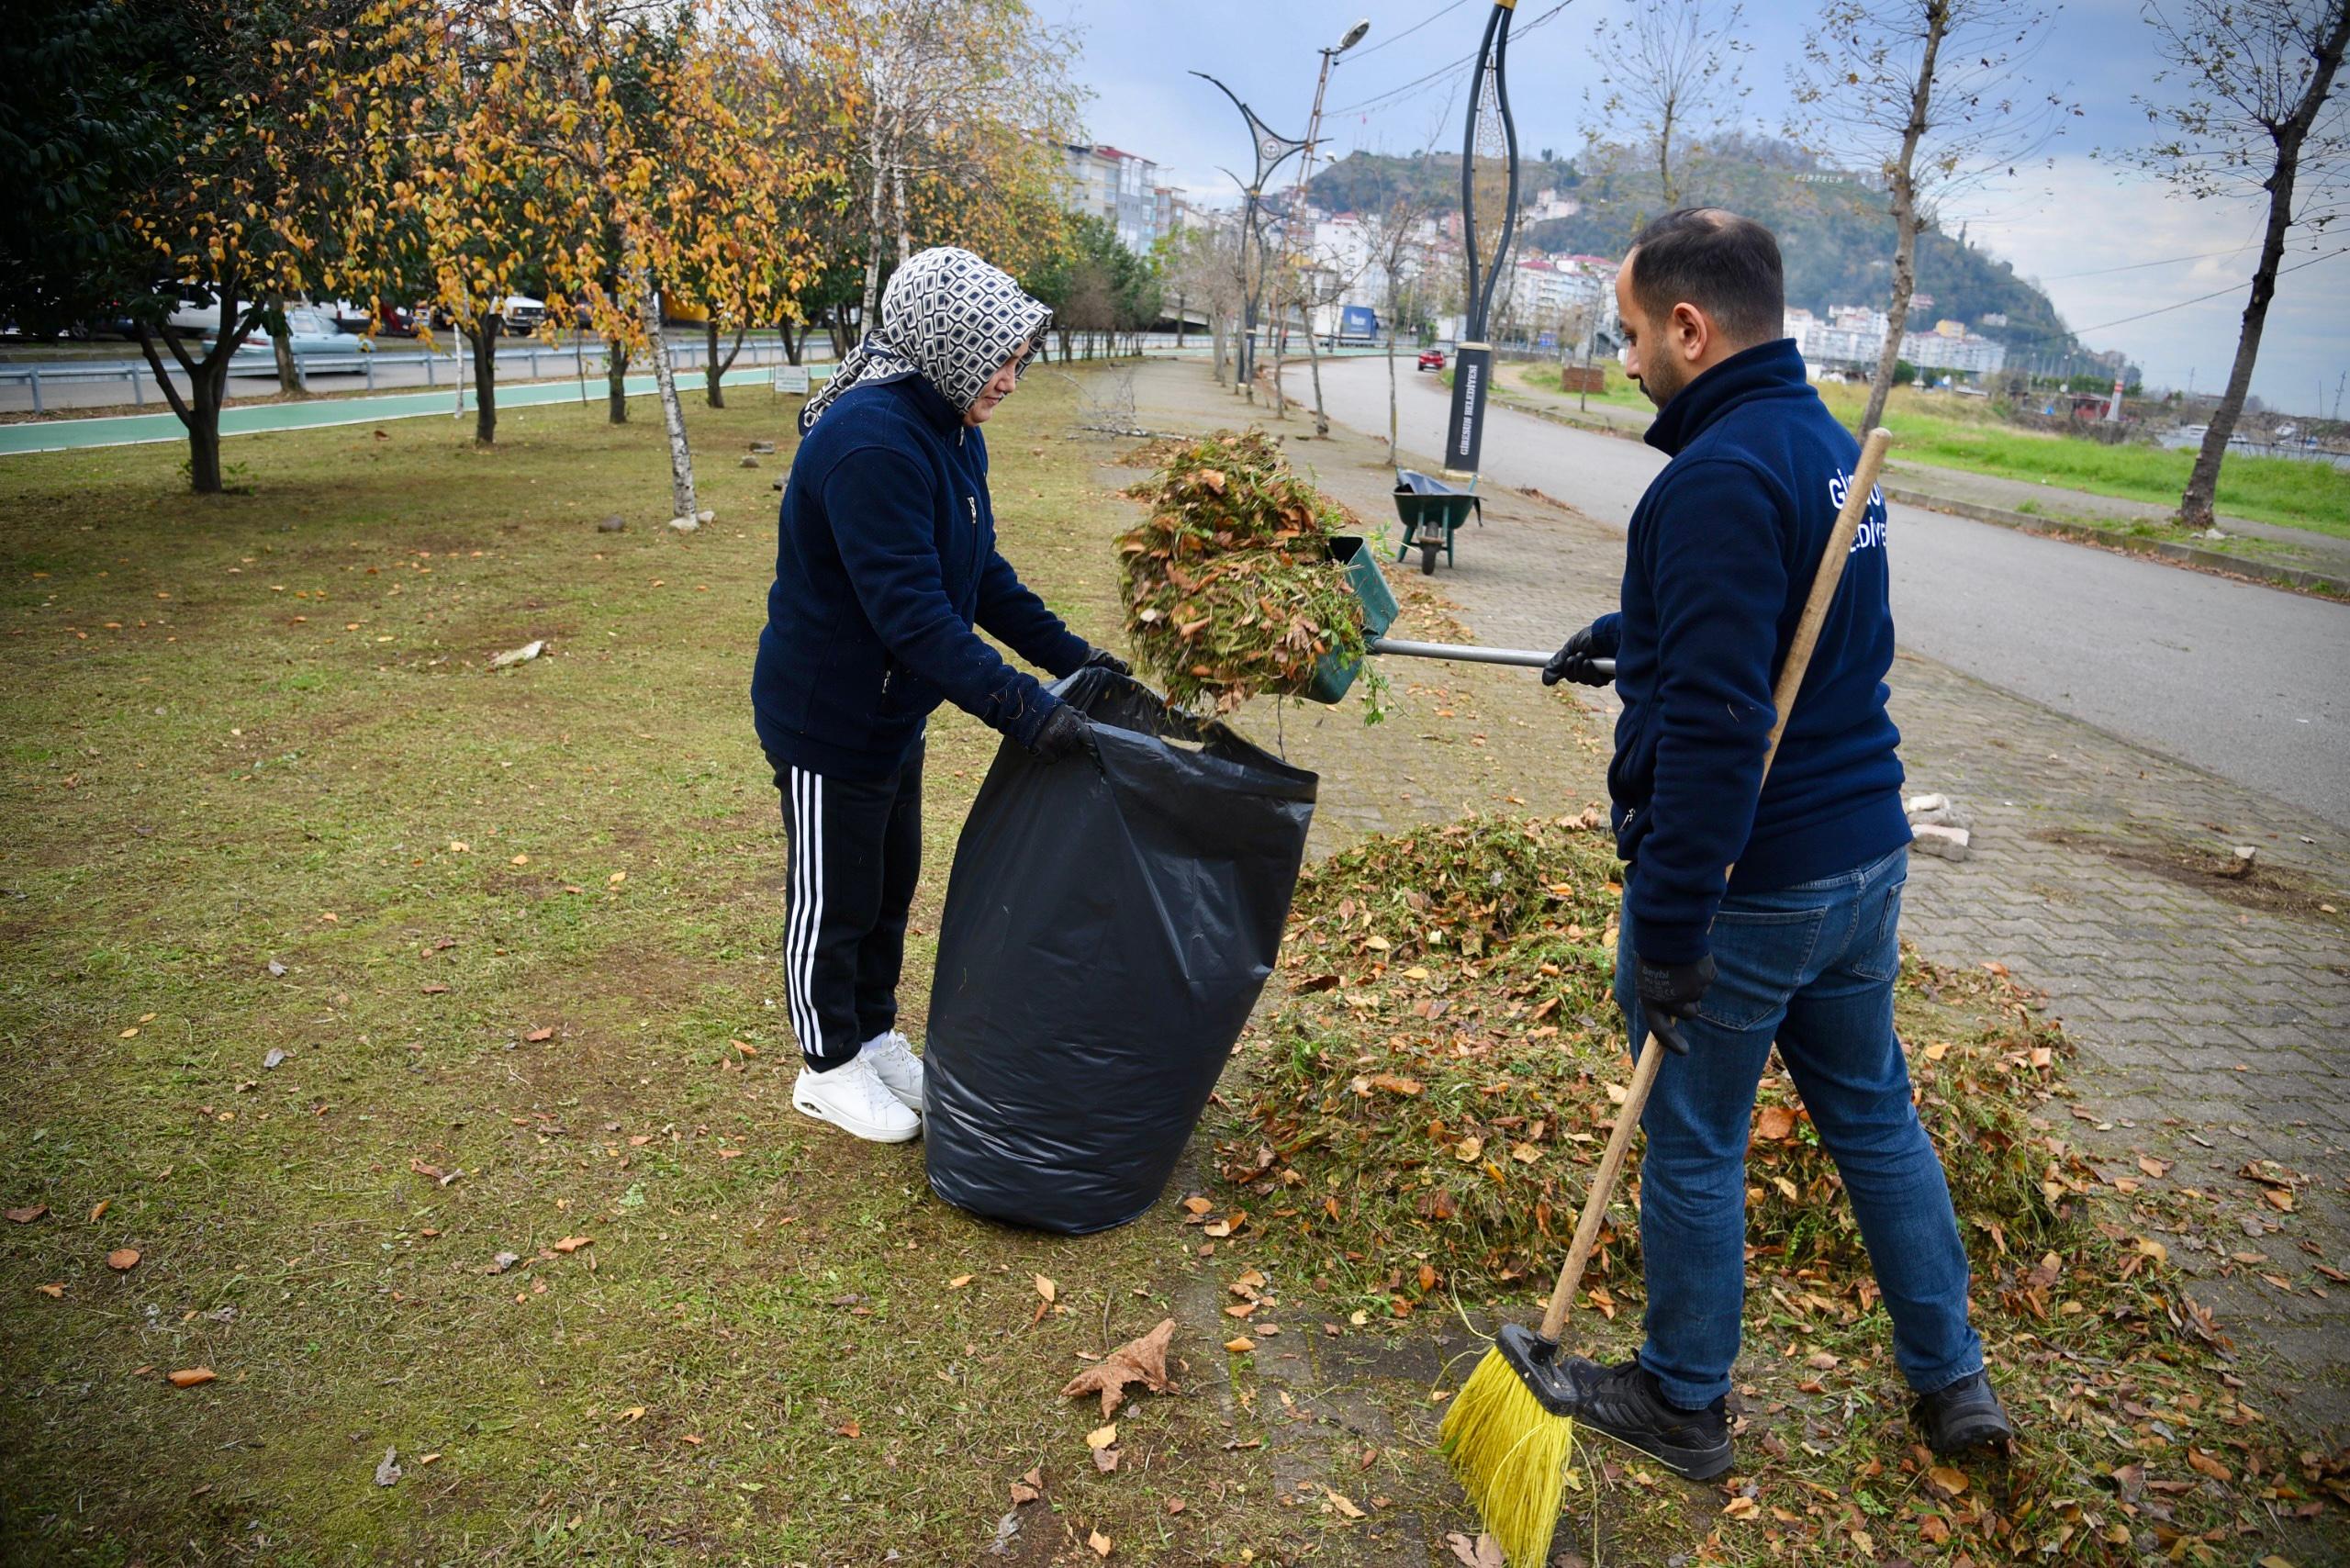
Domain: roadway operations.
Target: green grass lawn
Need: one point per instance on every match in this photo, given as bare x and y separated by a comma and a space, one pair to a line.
522, 918
1622, 392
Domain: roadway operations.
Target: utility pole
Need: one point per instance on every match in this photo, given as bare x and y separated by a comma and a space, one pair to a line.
1272, 150
1297, 203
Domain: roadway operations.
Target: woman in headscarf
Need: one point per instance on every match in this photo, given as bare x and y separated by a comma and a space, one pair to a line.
885, 562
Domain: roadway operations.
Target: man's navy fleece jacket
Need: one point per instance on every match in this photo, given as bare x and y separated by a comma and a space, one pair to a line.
1720, 561
885, 559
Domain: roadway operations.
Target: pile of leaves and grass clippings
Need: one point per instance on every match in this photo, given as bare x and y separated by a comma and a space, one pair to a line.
1431, 1099
1229, 585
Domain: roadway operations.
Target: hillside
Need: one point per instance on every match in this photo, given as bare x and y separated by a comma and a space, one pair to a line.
1833, 229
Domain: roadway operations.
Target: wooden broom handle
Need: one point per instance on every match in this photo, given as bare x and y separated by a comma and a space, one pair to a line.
1824, 581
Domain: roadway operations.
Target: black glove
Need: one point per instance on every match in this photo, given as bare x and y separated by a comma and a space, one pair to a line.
1670, 992
1063, 733
1102, 658
1572, 662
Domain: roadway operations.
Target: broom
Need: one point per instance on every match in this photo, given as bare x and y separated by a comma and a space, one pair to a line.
1509, 1429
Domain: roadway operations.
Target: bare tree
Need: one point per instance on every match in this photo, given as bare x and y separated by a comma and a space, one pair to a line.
1933, 96
2260, 111
1677, 68
1392, 243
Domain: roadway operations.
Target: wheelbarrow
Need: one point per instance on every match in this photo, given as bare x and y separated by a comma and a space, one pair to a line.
1333, 676
1432, 513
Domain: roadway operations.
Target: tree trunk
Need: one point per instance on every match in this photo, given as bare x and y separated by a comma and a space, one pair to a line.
1313, 358
1905, 218
289, 373
1390, 386
713, 372
791, 345
616, 380
1664, 159
673, 414
483, 336
898, 199
873, 240
2195, 507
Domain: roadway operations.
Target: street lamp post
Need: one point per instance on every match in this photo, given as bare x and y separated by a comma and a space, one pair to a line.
1306, 172
1272, 151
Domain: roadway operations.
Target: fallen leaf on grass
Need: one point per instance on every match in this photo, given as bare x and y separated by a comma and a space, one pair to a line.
571, 1244
848, 1430
1238, 1346
1394, 1084
1099, 1542
1341, 1501
1101, 1437
1195, 1206
1029, 1487
2202, 1459
1142, 1360
1774, 1123
633, 1413
54, 1293
537, 1034
1046, 1288
959, 1281
1950, 1482
2280, 1199
122, 1259
1106, 1460
1742, 1508
1174, 1505
193, 1377
1483, 1552
27, 1215
2157, 1169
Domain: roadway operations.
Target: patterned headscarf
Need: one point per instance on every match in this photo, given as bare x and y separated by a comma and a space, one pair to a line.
951, 319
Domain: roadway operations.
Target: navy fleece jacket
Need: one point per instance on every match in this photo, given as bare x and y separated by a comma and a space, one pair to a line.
1716, 569
885, 560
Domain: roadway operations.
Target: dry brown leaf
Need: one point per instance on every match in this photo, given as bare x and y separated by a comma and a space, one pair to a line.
2157, 1169
1395, 1084
1742, 1508
1174, 1505
1243, 1310
1948, 1481
1106, 1460
1101, 1437
122, 1259
1774, 1123
1196, 1206
1341, 1501
1045, 1287
27, 1215
2279, 1199
1142, 1360
959, 1281
1099, 1542
98, 1209
54, 1293
1238, 1346
1029, 1487
2204, 1460
193, 1377
849, 1428
537, 1034
571, 1244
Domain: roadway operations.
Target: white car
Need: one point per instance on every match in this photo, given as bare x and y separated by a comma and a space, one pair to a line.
521, 315
310, 331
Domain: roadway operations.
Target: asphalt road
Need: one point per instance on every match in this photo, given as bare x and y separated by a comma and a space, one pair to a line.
2248, 682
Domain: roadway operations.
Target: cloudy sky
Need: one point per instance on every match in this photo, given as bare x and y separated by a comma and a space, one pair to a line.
2070, 225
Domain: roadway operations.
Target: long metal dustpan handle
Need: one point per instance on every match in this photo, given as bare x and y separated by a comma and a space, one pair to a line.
1467, 653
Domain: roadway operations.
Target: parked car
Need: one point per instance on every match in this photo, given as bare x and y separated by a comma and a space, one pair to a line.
309, 332
1430, 359
196, 310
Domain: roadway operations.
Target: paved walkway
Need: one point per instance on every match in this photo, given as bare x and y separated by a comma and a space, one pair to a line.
2211, 1013
2300, 547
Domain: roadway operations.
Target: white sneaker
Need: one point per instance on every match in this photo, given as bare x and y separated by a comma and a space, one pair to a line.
854, 1099
895, 1064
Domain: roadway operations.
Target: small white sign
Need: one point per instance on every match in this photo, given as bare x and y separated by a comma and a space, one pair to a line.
792, 378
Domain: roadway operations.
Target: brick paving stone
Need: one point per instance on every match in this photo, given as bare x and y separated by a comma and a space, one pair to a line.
2079, 882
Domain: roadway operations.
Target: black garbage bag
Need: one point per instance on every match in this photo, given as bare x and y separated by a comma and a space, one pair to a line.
1107, 929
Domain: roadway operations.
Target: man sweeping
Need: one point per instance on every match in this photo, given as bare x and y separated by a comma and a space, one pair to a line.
1801, 945
885, 561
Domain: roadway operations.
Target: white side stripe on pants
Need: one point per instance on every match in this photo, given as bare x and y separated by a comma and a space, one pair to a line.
807, 914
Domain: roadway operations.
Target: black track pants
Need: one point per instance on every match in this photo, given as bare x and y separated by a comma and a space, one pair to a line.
856, 853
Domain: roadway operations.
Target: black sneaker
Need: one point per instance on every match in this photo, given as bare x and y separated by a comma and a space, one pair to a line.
1966, 1415
1625, 1402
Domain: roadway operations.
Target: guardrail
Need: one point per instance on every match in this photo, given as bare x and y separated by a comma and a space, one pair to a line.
579, 359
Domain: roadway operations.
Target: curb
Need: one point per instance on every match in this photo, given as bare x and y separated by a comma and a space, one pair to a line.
2164, 549
2194, 557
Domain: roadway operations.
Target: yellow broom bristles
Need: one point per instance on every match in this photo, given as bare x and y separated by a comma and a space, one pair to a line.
1510, 1455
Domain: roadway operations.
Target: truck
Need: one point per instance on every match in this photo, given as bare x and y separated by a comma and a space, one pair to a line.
1357, 324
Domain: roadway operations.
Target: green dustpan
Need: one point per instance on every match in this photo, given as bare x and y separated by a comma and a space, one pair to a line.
1333, 676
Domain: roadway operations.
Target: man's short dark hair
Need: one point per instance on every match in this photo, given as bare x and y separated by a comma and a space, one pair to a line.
1726, 265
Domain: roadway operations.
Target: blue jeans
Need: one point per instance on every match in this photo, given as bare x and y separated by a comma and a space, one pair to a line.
1811, 967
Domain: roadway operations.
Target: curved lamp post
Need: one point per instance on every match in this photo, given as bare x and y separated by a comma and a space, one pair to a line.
1272, 151
1472, 360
